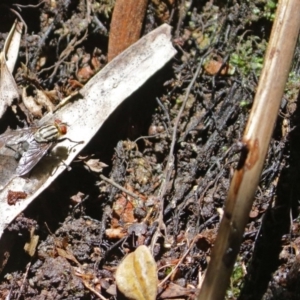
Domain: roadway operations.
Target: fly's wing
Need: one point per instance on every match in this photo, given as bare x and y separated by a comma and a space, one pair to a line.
8, 166
8, 158
13, 137
8, 136
32, 156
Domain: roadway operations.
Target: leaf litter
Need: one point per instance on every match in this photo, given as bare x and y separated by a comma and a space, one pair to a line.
170, 158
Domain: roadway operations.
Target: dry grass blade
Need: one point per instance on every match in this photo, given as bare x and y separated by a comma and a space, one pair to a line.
253, 149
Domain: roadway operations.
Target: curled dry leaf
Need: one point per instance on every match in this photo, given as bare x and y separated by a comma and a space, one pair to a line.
29, 102
212, 67
136, 276
115, 233
43, 99
67, 254
14, 196
124, 209
35, 104
8, 57
95, 165
77, 198
175, 291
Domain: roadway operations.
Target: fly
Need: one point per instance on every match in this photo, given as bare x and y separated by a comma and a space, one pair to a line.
31, 144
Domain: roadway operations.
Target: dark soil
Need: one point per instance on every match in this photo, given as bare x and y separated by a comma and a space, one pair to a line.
86, 225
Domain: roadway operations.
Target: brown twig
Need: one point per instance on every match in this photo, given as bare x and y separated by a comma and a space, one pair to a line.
120, 188
126, 25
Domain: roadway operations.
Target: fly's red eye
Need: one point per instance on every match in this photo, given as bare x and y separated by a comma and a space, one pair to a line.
61, 127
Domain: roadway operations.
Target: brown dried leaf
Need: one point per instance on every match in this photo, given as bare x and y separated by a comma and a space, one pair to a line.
136, 276
124, 209
212, 67
67, 254
175, 291
14, 196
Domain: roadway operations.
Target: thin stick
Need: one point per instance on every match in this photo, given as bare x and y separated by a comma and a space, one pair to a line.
120, 188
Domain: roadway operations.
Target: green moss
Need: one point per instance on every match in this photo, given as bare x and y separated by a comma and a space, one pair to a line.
236, 280
292, 87
249, 56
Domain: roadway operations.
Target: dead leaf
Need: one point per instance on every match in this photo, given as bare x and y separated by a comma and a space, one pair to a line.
115, 233
8, 56
67, 254
29, 102
14, 196
212, 67
136, 276
43, 99
95, 165
174, 291
30, 247
124, 209
78, 197
254, 213
12, 44
126, 25
8, 86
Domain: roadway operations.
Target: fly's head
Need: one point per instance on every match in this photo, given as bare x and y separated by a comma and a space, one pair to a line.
61, 127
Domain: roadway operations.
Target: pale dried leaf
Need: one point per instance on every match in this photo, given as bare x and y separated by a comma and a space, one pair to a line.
136, 276
85, 116
12, 45
115, 233
8, 57
29, 102
43, 99
95, 165
8, 86
78, 197
30, 247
